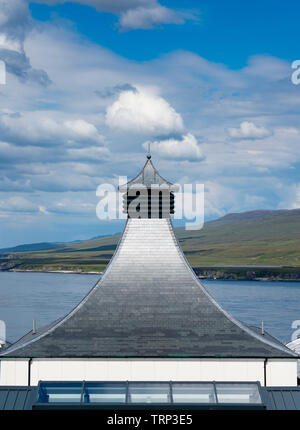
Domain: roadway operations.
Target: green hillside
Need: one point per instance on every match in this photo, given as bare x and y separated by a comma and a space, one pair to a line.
252, 238
261, 238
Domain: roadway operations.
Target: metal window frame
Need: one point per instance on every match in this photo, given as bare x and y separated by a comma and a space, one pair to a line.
161, 405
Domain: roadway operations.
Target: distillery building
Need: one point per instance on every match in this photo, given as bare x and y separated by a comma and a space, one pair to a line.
149, 318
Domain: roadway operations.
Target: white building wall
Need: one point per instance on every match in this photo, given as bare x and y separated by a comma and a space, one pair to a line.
150, 370
14, 372
279, 372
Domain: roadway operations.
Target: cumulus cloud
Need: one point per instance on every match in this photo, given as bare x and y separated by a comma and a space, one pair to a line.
39, 128
134, 14
15, 24
248, 130
50, 151
185, 149
143, 112
82, 129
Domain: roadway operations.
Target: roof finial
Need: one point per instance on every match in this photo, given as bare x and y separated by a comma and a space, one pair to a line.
148, 153
33, 326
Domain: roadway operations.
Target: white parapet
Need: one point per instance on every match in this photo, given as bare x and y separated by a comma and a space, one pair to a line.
146, 369
279, 372
14, 371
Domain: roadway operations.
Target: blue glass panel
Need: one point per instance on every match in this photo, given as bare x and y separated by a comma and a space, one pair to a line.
193, 393
58, 392
238, 393
149, 392
105, 392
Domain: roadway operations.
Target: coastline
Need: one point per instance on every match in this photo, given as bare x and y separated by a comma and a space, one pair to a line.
248, 273
261, 274
65, 272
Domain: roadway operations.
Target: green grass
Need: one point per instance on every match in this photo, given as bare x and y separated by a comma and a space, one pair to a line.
255, 238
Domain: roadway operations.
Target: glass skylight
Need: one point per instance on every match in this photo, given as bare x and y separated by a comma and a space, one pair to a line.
201, 393
60, 392
107, 392
238, 393
149, 392
193, 393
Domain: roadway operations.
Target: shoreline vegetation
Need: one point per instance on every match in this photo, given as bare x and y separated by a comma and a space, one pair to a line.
261, 245
263, 274
266, 274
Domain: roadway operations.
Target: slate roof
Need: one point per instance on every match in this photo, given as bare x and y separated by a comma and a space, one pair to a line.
149, 303
148, 177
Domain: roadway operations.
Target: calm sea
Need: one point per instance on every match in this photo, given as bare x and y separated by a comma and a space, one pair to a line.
48, 296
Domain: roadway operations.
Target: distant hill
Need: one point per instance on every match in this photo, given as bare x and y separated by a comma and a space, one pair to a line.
32, 247
249, 238
234, 217
256, 238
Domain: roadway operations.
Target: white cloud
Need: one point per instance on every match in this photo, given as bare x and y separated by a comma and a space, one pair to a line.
185, 149
222, 198
290, 196
91, 154
18, 204
217, 197
15, 24
143, 112
134, 14
9, 44
55, 145
296, 203
72, 206
43, 210
115, 6
82, 129
14, 19
43, 128
267, 68
149, 17
248, 130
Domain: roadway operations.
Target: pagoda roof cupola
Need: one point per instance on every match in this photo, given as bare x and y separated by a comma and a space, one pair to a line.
148, 195
149, 177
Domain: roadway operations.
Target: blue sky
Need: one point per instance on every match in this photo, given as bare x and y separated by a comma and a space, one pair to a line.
227, 32
90, 82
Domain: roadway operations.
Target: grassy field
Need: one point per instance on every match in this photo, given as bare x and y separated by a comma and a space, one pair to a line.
259, 238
